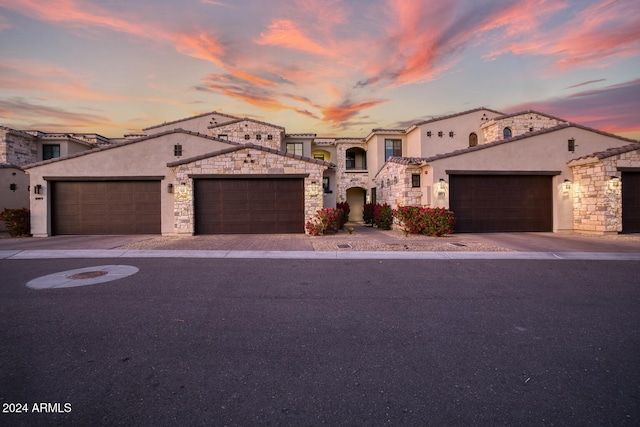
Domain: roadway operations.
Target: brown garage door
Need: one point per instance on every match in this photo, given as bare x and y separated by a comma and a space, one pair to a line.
501, 203
106, 207
631, 202
249, 206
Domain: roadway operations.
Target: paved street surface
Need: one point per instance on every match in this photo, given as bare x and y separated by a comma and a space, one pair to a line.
323, 342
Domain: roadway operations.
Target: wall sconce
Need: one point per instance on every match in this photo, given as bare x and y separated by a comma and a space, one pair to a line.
182, 189
441, 186
615, 182
314, 189
566, 186
13, 187
37, 189
170, 188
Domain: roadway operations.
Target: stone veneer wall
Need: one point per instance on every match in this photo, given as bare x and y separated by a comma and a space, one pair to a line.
244, 162
394, 186
597, 199
236, 132
349, 179
520, 124
17, 149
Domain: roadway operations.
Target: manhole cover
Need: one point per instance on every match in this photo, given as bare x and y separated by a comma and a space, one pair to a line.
87, 275
344, 246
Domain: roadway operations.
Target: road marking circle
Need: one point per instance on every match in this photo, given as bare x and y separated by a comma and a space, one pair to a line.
83, 277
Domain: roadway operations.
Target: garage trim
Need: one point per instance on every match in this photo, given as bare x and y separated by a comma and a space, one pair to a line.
501, 172
103, 178
246, 176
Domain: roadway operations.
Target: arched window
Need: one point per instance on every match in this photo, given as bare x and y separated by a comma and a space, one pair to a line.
473, 139
506, 133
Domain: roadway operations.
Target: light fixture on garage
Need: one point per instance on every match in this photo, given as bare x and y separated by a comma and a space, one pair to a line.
170, 188
615, 182
441, 186
566, 186
37, 189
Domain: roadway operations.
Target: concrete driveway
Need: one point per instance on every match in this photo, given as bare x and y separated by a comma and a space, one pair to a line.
363, 238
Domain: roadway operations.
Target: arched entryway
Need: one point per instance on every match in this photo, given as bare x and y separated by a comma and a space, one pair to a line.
356, 198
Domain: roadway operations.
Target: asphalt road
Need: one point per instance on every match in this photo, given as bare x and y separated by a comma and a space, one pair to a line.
312, 342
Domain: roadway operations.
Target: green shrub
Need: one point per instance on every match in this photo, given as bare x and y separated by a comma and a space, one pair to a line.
18, 221
428, 221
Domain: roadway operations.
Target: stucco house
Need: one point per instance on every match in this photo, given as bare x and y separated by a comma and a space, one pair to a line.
216, 173
19, 148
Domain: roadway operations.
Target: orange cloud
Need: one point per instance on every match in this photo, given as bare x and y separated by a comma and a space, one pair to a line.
347, 110
285, 33
45, 78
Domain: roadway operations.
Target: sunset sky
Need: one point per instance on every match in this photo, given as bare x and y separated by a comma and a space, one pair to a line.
331, 67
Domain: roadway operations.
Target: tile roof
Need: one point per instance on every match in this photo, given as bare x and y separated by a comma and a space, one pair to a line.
506, 116
615, 151
245, 146
190, 118
9, 166
521, 137
238, 120
436, 119
301, 135
124, 143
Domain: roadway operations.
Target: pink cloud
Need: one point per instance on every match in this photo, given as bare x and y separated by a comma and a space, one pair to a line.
4, 23
605, 31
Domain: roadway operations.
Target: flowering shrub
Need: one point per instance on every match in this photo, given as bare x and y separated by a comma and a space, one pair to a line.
428, 221
324, 220
367, 213
344, 217
383, 216
17, 221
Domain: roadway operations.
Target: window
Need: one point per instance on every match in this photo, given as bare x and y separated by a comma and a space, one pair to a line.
294, 148
473, 139
50, 151
429, 133
177, 150
269, 137
373, 195
571, 145
258, 137
440, 134
506, 133
415, 180
392, 148
325, 184
223, 136
318, 156
451, 134
247, 137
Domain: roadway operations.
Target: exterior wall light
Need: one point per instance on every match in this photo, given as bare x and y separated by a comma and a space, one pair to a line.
37, 189
13, 187
566, 186
170, 188
615, 182
441, 186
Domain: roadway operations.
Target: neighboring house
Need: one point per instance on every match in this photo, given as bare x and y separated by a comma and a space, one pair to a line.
214, 173
19, 148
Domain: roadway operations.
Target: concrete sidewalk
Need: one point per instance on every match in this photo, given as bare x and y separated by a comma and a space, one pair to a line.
364, 243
